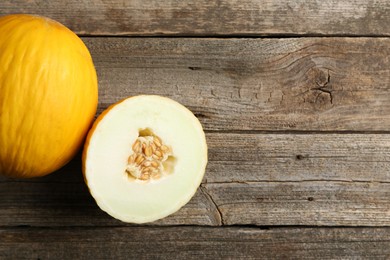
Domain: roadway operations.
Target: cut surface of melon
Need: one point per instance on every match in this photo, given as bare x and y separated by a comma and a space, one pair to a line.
144, 158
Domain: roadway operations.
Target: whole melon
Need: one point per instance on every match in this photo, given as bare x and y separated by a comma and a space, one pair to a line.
48, 95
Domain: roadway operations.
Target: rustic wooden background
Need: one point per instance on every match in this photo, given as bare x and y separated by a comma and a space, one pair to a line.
294, 97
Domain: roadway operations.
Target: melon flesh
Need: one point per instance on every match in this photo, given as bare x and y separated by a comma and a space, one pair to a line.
109, 145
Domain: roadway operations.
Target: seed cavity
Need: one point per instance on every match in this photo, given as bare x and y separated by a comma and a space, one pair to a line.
150, 157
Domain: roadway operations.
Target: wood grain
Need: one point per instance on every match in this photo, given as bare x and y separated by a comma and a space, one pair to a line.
291, 157
298, 131
311, 84
195, 243
307, 203
204, 17
62, 199
257, 179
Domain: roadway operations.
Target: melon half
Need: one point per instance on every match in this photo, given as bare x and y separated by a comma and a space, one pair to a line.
144, 158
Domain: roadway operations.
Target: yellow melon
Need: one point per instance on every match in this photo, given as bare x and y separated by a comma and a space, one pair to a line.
48, 95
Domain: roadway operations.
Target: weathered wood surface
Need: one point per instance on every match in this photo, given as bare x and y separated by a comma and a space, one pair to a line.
48, 202
195, 243
298, 131
258, 179
217, 17
319, 84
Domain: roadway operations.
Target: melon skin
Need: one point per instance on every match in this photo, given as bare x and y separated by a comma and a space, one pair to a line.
108, 146
48, 95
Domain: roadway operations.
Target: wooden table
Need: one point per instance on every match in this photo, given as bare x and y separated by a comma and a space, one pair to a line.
294, 98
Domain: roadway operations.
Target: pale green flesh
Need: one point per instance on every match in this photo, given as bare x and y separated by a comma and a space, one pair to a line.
110, 146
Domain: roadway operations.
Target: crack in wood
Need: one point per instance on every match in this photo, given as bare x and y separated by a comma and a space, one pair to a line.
323, 89
205, 192
194, 68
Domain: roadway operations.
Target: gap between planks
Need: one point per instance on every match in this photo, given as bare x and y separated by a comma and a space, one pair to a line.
235, 36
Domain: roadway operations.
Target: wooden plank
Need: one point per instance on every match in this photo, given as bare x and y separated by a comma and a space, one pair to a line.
195, 243
315, 84
320, 203
204, 17
260, 179
62, 199
298, 157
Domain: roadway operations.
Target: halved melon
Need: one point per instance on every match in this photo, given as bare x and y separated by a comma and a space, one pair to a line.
144, 158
